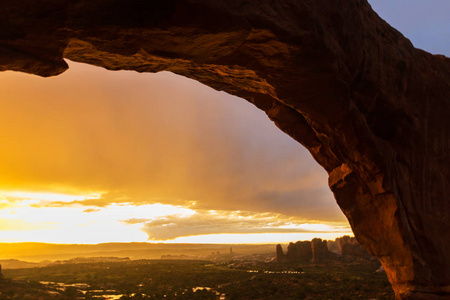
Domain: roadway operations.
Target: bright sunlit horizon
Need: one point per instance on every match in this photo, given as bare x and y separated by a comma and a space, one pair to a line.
36, 217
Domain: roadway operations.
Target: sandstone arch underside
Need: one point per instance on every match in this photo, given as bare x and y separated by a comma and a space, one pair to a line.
371, 109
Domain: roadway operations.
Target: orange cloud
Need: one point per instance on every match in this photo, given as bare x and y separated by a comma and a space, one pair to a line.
226, 222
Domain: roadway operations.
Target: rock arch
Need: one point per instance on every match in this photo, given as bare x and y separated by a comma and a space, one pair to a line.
371, 109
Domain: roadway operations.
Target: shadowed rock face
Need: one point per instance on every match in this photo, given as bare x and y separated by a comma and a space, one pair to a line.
299, 251
320, 250
280, 257
371, 109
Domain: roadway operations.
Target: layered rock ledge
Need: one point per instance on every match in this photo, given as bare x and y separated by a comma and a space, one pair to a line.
372, 110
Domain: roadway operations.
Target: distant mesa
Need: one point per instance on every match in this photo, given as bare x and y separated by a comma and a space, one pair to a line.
318, 250
88, 260
20, 264
179, 257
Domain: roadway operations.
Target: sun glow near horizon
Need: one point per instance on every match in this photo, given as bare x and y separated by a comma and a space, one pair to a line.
41, 217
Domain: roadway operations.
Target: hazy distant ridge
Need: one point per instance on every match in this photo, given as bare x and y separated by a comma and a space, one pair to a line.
38, 252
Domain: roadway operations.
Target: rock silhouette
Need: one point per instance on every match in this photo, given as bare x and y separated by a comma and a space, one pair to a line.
315, 250
279, 254
299, 251
320, 250
371, 109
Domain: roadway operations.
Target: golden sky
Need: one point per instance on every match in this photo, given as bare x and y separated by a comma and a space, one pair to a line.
99, 156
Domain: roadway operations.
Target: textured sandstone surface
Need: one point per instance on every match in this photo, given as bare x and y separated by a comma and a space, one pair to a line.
371, 109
